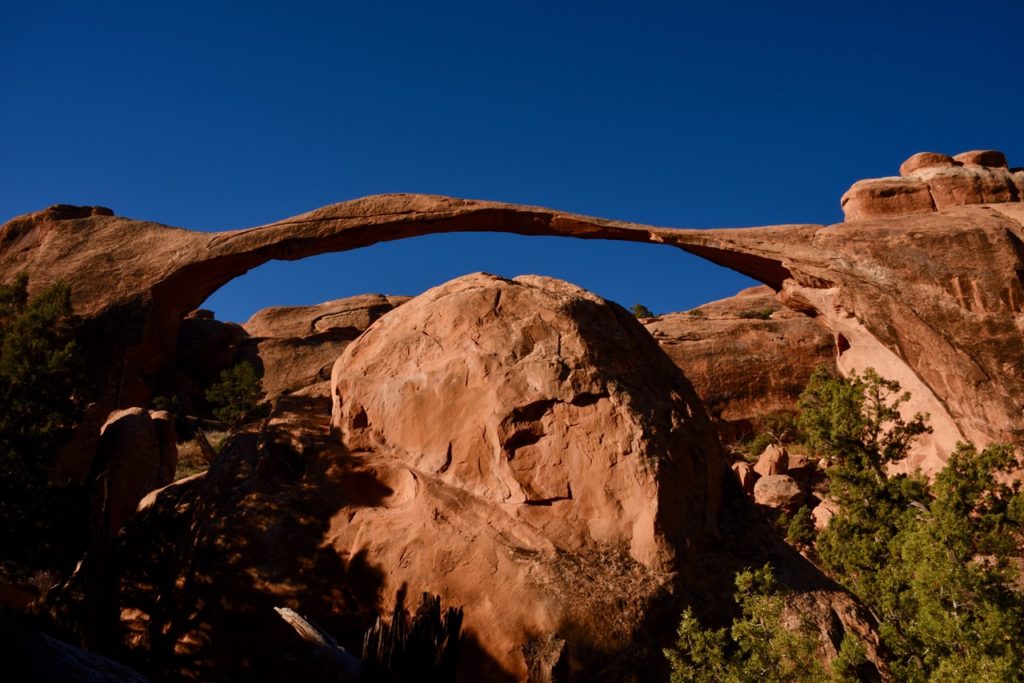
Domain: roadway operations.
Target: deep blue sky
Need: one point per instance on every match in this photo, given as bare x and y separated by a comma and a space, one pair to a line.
215, 115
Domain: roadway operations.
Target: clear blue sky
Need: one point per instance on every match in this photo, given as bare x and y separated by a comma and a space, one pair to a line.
216, 115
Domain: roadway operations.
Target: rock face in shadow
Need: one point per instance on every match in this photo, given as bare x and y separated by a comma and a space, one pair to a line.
552, 419
748, 356
137, 453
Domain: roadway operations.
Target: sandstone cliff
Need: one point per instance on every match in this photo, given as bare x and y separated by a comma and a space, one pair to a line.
748, 356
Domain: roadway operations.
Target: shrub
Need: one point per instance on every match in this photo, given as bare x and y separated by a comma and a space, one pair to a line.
801, 527
237, 395
757, 314
641, 311
779, 428
755, 647
697, 313
190, 454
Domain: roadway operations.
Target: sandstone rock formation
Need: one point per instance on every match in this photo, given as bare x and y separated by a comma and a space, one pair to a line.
545, 402
823, 513
748, 356
931, 182
205, 348
295, 346
929, 298
533, 392
137, 453
520, 447
773, 460
746, 476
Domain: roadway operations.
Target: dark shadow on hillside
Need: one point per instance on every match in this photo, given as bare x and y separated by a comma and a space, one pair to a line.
204, 566
747, 540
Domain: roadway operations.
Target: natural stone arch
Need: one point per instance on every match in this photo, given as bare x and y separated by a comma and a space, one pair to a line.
871, 281
136, 280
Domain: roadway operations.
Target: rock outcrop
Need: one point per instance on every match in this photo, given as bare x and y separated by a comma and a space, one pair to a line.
137, 454
778, 491
520, 447
295, 346
773, 460
550, 406
748, 356
930, 182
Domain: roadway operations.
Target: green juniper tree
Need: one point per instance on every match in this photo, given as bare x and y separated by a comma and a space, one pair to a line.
41, 375
757, 647
237, 395
934, 563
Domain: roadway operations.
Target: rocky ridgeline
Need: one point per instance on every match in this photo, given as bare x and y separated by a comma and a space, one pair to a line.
930, 182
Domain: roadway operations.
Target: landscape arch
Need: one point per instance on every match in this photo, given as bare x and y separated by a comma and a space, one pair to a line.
133, 281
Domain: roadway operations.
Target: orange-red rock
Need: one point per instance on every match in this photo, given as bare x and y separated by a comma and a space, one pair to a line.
823, 513
799, 466
296, 346
934, 182
744, 367
959, 186
137, 453
887, 196
982, 157
930, 298
925, 160
773, 460
534, 393
746, 476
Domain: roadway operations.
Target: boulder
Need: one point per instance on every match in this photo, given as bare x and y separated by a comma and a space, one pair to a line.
774, 459
778, 491
295, 346
800, 466
982, 157
823, 513
960, 186
925, 160
167, 442
353, 315
521, 448
205, 348
137, 453
746, 476
530, 392
934, 182
887, 196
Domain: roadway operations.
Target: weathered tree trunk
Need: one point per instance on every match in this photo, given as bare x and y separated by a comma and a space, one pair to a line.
348, 666
424, 647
